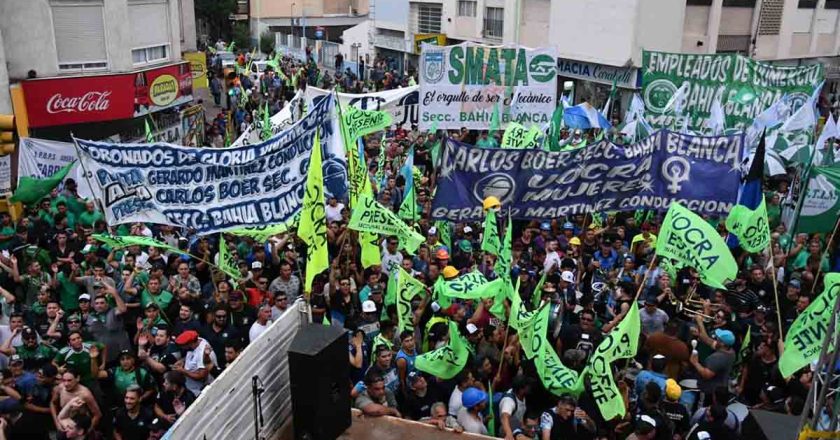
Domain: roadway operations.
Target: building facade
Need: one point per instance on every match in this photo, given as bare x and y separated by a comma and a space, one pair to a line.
312, 19
93, 67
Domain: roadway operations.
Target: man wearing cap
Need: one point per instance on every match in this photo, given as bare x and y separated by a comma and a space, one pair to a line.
125, 375
717, 367
645, 429
675, 411
470, 416
193, 366
242, 316
442, 256
419, 397
33, 353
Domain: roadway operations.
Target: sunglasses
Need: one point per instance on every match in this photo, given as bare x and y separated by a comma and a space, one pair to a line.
221, 316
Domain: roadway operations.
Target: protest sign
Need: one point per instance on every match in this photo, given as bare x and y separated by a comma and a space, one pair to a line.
198, 68
537, 184
804, 340
822, 200
557, 378
517, 136
746, 87
750, 226
370, 216
470, 285
407, 288
621, 343
460, 86
693, 242
41, 158
400, 103
213, 190
447, 361
361, 122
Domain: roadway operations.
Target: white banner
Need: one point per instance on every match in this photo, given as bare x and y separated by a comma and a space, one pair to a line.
6, 175
41, 158
279, 122
464, 85
213, 190
400, 103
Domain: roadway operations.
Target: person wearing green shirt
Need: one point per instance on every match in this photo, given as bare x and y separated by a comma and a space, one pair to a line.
77, 355
33, 353
153, 292
126, 374
487, 141
32, 281
61, 209
7, 230
90, 215
813, 255
153, 318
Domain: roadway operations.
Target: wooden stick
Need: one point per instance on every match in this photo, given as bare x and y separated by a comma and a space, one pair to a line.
502, 353
776, 291
827, 250
644, 278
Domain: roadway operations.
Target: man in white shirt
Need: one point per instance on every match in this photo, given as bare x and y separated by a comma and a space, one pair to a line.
552, 256
333, 210
391, 257
194, 366
261, 324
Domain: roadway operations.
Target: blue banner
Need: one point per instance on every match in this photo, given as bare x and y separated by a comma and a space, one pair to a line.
212, 190
700, 172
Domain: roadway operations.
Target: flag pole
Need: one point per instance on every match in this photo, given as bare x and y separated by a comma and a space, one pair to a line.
801, 202
644, 278
776, 290
87, 175
826, 251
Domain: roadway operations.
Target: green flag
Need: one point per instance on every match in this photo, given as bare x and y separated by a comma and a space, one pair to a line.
263, 233
150, 138
446, 361
745, 347
495, 121
231, 46
370, 216
325, 321
517, 136
407, 288
502, 267
491, 418
556, 377
119, 242
690, 240
380, 161
313, 223
821, 206
472, 285
537, 295
266, 123
750, 226
31, 190
391, 289
506, 292
445, 234
227, 264
408, 207
532, 331
621, 343
554, 128
804, 340
490, 239
358, 123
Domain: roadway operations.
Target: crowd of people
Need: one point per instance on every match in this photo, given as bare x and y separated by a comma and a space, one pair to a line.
102, 342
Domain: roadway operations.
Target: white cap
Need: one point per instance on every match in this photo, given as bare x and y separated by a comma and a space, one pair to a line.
256, 265
432, 230
435, 307
471, 328
467, 229
567, 276
84, 296
659, 356
648, 419
703, 435
369, 306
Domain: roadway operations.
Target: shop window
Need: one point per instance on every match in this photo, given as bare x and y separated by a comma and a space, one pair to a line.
832, 4
150, 55
79, 29
428, 18
494, 22
699, 2
467, 8
807, 4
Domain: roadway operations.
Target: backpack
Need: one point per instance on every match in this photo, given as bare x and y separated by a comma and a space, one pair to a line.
497, 400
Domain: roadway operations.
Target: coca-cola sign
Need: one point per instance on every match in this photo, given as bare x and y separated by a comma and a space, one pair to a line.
84, 99
90, 101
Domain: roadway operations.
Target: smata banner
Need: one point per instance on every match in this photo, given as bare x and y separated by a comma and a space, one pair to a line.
745, 87
212, 190
822, 200
401, 104
41, 158
700, 172
463, 85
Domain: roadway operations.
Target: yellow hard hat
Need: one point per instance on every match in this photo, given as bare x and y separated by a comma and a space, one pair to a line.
450, 272
491, 202
574, 241
672, 390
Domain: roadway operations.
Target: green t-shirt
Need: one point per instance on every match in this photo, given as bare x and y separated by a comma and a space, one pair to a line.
87, 219
124, 379
68, 292
8, 230
490, 142
78, 360
36, 356
802, 260
162, 299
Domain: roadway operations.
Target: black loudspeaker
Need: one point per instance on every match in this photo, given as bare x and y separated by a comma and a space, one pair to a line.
319, 376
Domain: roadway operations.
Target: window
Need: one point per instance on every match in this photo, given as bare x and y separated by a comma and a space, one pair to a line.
428, 19
807, 4
466, 8
79, 35
494, 22
149, 55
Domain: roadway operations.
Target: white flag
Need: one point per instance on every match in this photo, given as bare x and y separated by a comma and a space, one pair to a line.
677, 101
805, 116
717, 119
828, 131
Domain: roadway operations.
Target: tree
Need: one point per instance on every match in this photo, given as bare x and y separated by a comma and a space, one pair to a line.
216, 13
241, 35
267, 42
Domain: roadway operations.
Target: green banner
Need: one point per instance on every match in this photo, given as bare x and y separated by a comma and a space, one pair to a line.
621, 343
31, 190
362, 122
263, 233
517, 136
313, 221
119, 242
804, 340
490, 238
407, 288
533, 330
472, 285
745, 87
370, 216
693, 242
750, 226
227, 263
557, 378
446, 361
822, 200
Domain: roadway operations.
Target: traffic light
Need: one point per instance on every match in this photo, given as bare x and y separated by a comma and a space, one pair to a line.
7, 134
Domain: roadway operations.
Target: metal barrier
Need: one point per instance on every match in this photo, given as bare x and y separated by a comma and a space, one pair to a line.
225, 409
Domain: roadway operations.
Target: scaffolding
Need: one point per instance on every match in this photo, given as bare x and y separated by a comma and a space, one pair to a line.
819, 416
